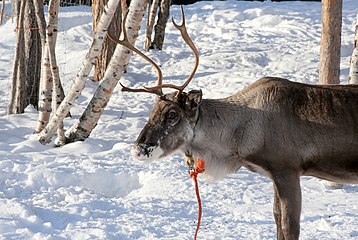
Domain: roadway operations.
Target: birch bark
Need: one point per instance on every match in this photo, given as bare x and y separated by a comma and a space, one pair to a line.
46, 83
45, 98
87, 122
58, 93
163, 16
108, 46
353, 72
79, 82
150, 24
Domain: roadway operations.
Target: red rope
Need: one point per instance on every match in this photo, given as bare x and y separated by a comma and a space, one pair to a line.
199, 168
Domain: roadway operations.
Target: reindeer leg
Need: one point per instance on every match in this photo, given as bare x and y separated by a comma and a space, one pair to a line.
288, 191
277, 214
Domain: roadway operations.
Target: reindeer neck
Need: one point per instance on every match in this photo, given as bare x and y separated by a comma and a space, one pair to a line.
216, 122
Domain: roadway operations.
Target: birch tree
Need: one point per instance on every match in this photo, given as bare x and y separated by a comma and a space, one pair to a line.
87, 122
152, 12
108, 46
163, 16
82, 75
353, 72
51, 33
47, 83
45, 98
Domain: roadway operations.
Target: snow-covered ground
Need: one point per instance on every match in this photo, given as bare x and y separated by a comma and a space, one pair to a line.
94, 190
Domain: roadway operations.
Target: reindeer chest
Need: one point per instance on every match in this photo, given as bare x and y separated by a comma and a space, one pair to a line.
217, 167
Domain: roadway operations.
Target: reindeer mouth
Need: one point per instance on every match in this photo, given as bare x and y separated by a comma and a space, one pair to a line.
143, 152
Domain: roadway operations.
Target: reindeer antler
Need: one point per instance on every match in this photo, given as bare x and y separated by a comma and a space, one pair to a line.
128, 45
187, 39
158, 89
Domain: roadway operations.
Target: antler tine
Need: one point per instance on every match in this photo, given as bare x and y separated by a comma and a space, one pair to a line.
187, 39
157, 90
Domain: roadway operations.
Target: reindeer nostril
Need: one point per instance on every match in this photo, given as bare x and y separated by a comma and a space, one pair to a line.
145, 151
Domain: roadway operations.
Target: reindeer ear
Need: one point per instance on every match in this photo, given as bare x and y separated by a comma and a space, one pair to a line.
193, 99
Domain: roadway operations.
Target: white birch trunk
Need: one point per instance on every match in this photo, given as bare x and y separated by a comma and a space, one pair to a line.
79, 82
45, 98
58, 94
353, 72
46, 86
82, 129
44, 111
150, 24
108, 46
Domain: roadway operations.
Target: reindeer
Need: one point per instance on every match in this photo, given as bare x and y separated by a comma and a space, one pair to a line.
275, 127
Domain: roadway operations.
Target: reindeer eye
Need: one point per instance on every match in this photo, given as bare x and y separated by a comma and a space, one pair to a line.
172, 118
172, 115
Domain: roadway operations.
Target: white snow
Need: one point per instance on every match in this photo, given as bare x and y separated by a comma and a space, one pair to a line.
94, 190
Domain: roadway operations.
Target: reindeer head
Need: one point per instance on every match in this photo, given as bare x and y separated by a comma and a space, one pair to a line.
174, 115
170, 125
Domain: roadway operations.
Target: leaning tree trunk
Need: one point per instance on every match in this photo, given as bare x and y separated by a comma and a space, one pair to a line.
163, 16
79, 82
87, 122
330, 53
353, 72
27, 63
108, 46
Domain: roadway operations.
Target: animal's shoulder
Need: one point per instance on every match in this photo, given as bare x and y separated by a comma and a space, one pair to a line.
274, 86
271, 92
267, 86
